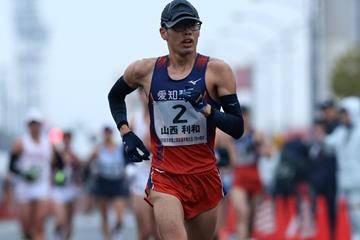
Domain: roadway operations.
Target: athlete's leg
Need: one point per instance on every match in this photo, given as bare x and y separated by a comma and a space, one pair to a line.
240, 201
143, 215
40, 213
103, 206
70, 211
169, 216
222, 214
25, 219
60, 219
255, 201
119, 207
203, 225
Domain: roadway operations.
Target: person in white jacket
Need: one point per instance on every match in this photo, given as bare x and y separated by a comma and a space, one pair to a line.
346, 142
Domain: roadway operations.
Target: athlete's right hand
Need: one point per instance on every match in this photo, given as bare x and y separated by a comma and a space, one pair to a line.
30, 175
194, 97
135, 148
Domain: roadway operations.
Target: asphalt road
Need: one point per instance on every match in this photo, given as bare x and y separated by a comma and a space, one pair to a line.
86, 227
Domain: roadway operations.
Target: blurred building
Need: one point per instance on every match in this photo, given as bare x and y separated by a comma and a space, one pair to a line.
30, 41
22, 46
336, 25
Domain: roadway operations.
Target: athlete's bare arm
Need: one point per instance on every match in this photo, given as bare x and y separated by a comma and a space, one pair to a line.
221, 86
138, 74
225, 141
220, 80
94, 155
17, 147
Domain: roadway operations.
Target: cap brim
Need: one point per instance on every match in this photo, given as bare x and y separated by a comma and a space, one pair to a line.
171, 24
34, 121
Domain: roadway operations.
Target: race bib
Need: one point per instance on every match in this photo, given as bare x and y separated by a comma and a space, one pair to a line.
177, 123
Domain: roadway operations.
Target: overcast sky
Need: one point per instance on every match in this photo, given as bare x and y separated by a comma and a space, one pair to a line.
91, 42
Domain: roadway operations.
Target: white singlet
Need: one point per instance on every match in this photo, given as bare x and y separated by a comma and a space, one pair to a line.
138, 173
34, 156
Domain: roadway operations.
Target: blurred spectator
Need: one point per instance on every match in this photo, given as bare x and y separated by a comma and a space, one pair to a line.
322, 169
292, 166
65, 187
247, 187
346, 141
30, 161
330, 114
225, 153
138, 175
7, 201
110, 185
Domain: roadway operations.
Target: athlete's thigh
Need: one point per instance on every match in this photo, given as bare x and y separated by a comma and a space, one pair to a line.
24, 211
143, 214
141, 209
103, 204
239, 199
41, 209
70, 209
202, 226
60, 212
169, 215
119, 204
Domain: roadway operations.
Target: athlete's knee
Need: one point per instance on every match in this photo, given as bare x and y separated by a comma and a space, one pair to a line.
170, 227
145, 233
173, 233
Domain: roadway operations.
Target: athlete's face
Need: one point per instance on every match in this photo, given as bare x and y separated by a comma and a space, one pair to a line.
107, 135
34, 128
319, 131
67, 139
345, 118
183, 37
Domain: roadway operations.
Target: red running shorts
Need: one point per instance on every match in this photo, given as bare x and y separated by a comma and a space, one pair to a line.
247, 178
197, 192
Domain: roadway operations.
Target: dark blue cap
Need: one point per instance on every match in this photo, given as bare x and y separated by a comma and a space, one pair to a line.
176, 11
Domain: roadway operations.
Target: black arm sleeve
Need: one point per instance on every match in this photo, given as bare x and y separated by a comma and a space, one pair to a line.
230, 121
117, 103
14, 158
59, 163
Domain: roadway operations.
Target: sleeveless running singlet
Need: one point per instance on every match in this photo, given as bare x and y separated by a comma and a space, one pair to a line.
110, 163
182, 140
246, 152
36, 156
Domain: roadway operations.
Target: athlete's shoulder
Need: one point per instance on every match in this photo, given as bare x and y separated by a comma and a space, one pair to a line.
218, 65
17, 146
220, 78
141, 68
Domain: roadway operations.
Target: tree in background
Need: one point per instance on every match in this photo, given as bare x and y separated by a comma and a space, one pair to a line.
345, 78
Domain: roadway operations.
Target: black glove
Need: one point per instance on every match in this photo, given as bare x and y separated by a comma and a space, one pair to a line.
194, 97
135, 148
31, 175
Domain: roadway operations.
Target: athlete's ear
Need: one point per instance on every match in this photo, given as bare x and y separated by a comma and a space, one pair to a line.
163, 33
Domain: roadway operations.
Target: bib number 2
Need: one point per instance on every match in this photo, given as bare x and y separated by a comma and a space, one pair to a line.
177, 118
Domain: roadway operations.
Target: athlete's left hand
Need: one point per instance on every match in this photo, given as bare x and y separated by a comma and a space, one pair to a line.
194, 97
135, 148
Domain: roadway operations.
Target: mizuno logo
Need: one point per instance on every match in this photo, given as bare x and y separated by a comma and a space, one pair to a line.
193, 82
232, 104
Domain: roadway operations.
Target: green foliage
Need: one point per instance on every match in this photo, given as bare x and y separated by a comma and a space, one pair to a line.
345, 77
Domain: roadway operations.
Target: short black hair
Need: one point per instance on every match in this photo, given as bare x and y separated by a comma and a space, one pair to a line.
327, 104
68, 134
